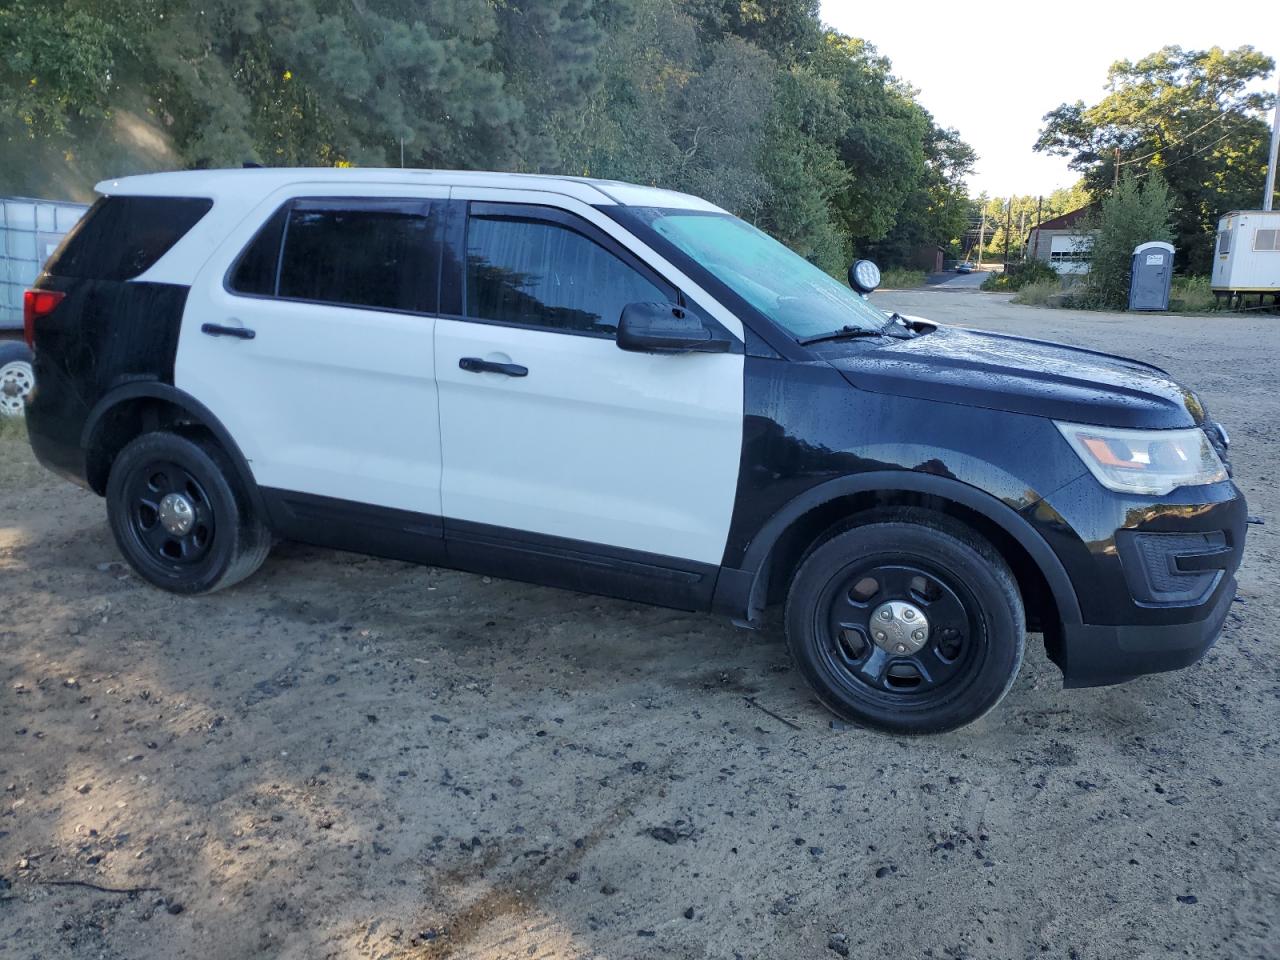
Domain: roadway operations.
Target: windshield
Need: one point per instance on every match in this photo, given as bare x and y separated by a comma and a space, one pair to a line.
782, 285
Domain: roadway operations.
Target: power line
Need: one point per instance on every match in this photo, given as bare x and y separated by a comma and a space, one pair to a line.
1188, 156
1177, 142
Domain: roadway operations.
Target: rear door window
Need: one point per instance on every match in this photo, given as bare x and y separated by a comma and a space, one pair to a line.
363, 253
123, 237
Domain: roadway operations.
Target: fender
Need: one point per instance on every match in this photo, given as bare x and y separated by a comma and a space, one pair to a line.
155, 390
739, 592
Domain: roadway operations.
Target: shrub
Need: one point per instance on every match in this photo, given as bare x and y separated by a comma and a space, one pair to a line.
1037, 294
1019, 275
1192, 295
1130, 214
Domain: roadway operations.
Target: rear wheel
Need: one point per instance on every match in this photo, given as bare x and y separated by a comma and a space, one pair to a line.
179, 516
17, 378
912, 626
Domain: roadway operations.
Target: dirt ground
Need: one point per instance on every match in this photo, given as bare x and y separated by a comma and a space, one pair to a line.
351, 758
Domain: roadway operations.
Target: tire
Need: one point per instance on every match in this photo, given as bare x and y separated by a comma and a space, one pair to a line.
17, 378
912, 680
213, 541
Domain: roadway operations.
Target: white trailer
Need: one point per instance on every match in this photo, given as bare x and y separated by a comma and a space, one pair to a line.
1246, 263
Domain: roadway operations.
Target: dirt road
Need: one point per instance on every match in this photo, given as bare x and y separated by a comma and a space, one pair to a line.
353, 758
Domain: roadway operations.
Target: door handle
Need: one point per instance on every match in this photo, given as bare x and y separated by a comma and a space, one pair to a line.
219, 330
476, 365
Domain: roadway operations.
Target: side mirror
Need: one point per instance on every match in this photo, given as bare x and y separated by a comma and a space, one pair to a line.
864, 276
667, 328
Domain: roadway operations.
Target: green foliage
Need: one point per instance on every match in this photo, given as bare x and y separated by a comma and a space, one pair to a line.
1193, 116
1135, 212
1022, 213
901, 278
1042, 293
752, 104
1022, 274
1192, 295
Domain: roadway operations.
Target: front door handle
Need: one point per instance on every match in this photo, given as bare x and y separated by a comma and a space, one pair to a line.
219, 330
476, 365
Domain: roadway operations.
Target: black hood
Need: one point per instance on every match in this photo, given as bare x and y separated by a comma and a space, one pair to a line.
1017, 374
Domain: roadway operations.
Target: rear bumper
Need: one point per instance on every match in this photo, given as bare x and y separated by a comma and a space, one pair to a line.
1094, 655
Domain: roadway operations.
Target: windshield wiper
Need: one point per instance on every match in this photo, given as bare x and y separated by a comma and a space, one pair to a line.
844, 333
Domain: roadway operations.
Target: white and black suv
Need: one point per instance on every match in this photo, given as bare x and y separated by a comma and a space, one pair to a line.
625, 391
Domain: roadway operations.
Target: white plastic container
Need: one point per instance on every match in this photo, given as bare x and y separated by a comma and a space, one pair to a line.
30, 230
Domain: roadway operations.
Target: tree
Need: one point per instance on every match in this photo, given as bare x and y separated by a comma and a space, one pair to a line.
1190, 115
752, 104
1136, 211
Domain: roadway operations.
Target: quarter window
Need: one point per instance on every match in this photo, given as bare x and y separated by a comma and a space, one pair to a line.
122, 237
361, 253
542, 274
255, 271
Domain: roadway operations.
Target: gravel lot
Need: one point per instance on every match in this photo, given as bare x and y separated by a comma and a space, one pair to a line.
350, 758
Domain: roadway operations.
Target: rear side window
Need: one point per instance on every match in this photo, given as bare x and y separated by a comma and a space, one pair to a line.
362, 253
542, 274
122, 237
255, 271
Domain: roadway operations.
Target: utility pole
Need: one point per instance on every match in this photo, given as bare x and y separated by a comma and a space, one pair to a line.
1116, 183
1008, 225
1039, 220
1269, 192
982, 233
402, 151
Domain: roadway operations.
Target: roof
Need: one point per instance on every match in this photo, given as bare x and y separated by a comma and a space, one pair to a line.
1066, 220
216, 184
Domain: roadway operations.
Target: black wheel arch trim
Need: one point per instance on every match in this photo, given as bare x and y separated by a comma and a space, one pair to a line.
156, 390
740, 591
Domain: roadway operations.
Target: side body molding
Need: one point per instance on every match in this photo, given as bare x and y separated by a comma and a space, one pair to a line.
740, 592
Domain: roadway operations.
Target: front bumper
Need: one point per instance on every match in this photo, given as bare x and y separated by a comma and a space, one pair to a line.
1094, 655
1154, 578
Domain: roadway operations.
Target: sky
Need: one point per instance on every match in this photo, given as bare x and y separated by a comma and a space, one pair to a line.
993, 70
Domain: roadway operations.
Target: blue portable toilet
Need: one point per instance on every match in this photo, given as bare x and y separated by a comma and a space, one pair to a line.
1151, 276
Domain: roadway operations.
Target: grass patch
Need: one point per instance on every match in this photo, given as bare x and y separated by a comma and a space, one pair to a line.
899, 278
13, 429
1192, 295
1038, 294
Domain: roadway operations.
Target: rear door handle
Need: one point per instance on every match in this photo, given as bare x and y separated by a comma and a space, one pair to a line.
476, 365
219, 330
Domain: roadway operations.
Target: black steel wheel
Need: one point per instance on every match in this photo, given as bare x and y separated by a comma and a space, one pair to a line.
913, 625
179, 516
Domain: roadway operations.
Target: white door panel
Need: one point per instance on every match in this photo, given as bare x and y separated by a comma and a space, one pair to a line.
631, 450
328, 400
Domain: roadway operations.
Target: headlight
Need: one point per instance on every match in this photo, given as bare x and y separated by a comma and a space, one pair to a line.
1152, 462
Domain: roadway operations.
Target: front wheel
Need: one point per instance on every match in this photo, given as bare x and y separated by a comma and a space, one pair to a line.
910, 626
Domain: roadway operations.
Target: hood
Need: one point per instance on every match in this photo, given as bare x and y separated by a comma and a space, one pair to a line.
1017, 374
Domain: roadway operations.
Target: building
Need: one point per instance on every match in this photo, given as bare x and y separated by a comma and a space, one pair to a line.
1060, 243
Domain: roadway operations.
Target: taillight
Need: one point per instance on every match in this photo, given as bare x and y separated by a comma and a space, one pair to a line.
37, 304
